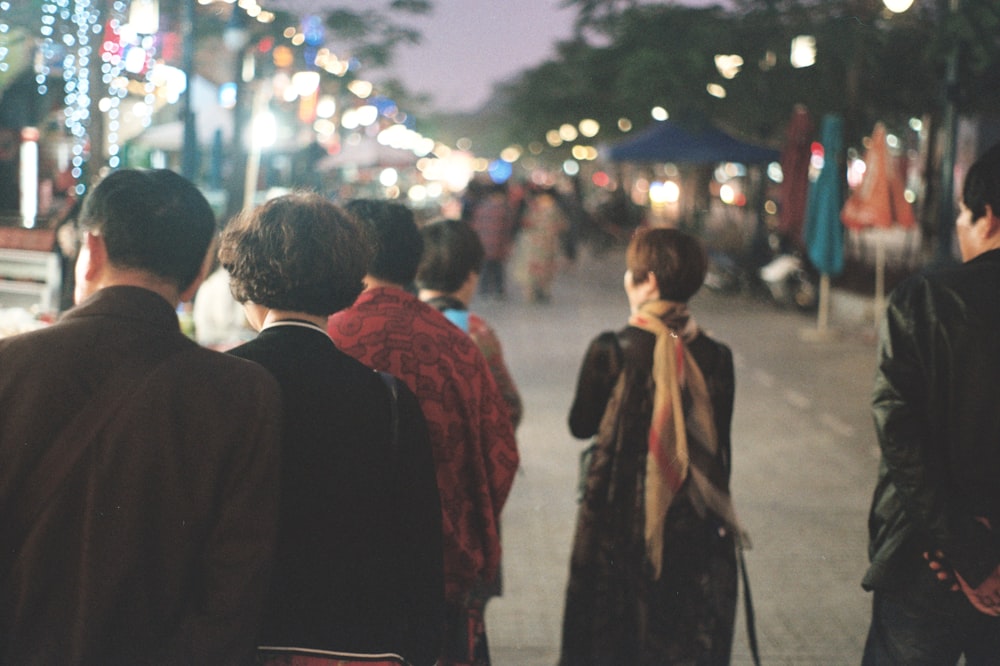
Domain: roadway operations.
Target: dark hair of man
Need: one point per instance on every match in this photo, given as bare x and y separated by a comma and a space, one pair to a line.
678, 261
297, 252
452, 251
398, 245
982, 184
154, 221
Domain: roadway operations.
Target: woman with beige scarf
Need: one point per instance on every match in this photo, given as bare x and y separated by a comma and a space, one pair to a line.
653, 573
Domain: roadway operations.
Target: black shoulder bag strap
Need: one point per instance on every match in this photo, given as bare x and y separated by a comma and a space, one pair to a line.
748, 607
62, 456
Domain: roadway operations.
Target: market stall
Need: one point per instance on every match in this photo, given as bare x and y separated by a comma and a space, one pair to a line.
30, 279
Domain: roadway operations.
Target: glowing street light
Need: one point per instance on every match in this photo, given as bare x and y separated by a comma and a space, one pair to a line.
897, 6
305, 83
589, 127
144, 16
803, 51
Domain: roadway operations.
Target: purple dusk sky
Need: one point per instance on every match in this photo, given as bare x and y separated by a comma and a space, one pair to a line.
469, 46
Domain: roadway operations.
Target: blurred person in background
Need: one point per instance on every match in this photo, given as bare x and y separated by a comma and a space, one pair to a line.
539, 246
490, 215
67, 247
139, 484
475, 453
937, 495
653, 572
219, 320
358, 567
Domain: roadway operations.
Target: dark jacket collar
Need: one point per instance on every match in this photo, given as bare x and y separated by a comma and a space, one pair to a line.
136, 303
992, 256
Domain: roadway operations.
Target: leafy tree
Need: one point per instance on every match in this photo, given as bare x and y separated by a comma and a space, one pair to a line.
598, 15
657, 55
870, 65
374, 34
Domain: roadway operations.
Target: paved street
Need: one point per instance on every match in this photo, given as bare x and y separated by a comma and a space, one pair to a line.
804, 467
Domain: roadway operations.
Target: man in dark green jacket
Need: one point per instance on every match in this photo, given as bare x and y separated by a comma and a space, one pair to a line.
935, 517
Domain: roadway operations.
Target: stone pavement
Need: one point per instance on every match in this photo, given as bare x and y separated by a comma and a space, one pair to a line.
804, 466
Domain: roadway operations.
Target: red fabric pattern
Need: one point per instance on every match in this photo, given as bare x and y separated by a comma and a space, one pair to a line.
489, 344
470, 430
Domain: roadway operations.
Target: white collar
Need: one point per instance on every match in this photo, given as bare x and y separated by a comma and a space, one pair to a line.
295, 322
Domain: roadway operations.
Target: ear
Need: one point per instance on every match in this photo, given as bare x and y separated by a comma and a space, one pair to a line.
992, 224
91, 263
206, 266
651, 288
95, 258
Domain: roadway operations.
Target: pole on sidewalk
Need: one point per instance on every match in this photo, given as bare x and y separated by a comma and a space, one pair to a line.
189, 149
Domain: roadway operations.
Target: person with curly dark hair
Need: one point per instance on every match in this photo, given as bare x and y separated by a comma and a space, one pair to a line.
358, 567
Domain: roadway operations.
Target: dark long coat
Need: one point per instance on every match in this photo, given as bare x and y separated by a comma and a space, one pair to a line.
615, 612
358, 566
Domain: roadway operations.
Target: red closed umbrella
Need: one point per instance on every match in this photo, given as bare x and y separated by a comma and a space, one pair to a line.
794, 188
878, 203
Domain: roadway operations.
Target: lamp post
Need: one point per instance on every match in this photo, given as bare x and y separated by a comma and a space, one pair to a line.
238, 40
262, 132
946, 212
189, 147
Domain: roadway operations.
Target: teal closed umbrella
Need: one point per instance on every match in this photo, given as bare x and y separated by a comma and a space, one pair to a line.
824, 234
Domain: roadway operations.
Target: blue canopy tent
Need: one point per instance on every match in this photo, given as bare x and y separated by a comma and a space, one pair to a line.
666, 141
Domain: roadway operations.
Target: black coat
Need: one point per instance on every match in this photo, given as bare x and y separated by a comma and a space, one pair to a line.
615, 612
935, 408
156, 549
359, 563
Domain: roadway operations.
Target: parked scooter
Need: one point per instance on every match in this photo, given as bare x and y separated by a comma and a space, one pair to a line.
724, 274
790, 282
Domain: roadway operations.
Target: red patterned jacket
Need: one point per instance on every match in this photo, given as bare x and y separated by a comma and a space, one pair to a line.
470, 429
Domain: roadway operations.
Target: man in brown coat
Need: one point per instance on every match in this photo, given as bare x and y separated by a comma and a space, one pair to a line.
138, 481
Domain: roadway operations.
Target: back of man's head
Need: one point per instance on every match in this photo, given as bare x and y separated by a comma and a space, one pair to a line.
398, 242
153, 221
982, 184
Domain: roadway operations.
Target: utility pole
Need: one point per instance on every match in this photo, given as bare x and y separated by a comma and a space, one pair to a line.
949, 132
189, 148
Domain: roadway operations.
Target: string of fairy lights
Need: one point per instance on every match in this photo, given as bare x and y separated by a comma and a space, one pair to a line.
4, 35
74, 40
102, 56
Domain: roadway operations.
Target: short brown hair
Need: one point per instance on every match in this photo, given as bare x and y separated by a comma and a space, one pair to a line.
298, 252
678, 260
